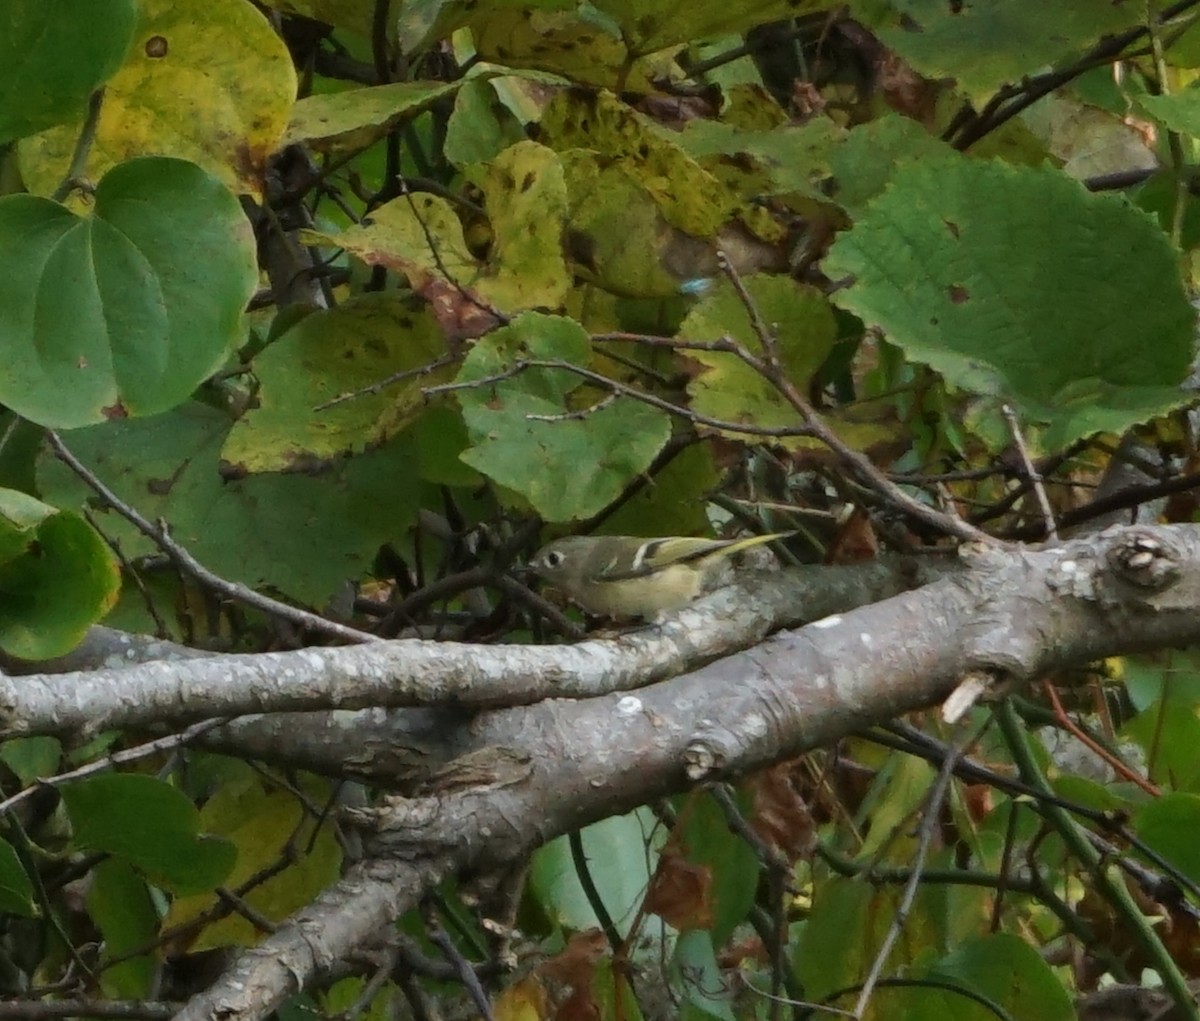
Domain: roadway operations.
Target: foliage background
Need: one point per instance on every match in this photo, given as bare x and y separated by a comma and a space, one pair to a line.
354, 296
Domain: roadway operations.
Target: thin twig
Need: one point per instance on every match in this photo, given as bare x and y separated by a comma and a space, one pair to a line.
389, 957
724, 345
579, 414
141, 751
1042, 800
160, 625
22, 846
925, 835
465, 970
238, 906
138, 1010
461, 581
1031, 472
472, 299
858, 462
1106, 881
10, 429
600, 380
1086, 739
777, 869
584, 874
766, 336
217, 910
1020, 97
563, 624
383, 384
159, 535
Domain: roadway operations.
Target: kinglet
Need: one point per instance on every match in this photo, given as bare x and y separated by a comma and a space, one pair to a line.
628, 576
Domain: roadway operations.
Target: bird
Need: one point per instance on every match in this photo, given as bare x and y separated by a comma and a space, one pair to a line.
627, 576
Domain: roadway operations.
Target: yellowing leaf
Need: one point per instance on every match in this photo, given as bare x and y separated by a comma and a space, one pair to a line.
522, 1001
618, 236
727, 388
259, 825
580, 44
205, 80
336, 351
336, 121
689, 197
526, 200
421, 236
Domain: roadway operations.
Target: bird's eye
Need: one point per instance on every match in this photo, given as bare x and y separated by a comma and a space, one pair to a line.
554, 559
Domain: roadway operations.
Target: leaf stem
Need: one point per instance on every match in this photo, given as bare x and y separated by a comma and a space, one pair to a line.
83, 147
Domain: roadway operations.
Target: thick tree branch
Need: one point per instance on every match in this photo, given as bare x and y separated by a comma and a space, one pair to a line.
547, 769
425, 673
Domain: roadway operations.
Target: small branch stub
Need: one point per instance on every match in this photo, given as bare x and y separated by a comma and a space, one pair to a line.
1145, 561
701, 759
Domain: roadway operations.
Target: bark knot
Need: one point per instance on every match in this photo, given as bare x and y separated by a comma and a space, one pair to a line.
1145, 561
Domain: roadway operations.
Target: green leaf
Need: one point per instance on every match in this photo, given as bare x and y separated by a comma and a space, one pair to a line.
53, 55
1179, 111
343, 998
707, 841
119, 902
16, 888
441, 437
1090, 794
619, 863
150, 824
1172, 677
125, 312
41, 615
953, 262
840, 937
336, 351
844, 933
303, 534
1011, 974
1169, 826
900, 789
872, 153
776, 160
577, 463
31, 758
676, 503
349, 14
480, 126
1168, 735
705, 989
985, 45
